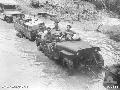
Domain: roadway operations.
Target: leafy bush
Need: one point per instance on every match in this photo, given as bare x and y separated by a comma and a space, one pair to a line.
110, 5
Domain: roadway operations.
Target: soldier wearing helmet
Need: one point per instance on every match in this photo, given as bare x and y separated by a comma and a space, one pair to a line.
56, 32
71, 35
56, 27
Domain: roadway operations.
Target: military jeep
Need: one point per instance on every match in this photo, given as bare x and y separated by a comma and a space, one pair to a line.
75, 55
79, 55
8, 11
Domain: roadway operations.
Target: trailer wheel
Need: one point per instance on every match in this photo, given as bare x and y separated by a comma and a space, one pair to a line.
39, 48
37, 42
31, 38
8, 19
20, 35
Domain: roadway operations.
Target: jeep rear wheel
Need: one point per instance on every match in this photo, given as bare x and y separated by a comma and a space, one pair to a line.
31, 37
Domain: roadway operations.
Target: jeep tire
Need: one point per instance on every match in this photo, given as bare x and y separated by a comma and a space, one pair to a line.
8, 19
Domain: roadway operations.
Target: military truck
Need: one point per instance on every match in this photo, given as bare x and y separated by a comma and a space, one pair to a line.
8, 10
27, 27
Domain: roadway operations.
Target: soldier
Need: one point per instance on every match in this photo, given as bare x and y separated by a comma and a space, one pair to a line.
56, 32
68, 30
40, 33
56, 26
71, 35
41, 30
44, 34
46, 39
42, 27
48, 35
68, 33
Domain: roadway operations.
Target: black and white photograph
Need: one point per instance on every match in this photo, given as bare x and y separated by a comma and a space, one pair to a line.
59, 44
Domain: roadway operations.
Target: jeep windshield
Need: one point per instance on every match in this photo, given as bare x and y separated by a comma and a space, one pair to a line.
9, 7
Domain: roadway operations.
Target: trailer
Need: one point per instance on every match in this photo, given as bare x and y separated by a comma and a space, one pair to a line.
27, 27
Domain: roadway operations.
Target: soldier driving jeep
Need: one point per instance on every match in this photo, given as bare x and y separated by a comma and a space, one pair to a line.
56, 27
71, 35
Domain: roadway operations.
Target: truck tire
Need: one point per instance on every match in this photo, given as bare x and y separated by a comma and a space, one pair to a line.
8, 19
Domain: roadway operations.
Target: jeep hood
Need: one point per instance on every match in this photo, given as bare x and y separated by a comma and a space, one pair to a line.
73, 45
